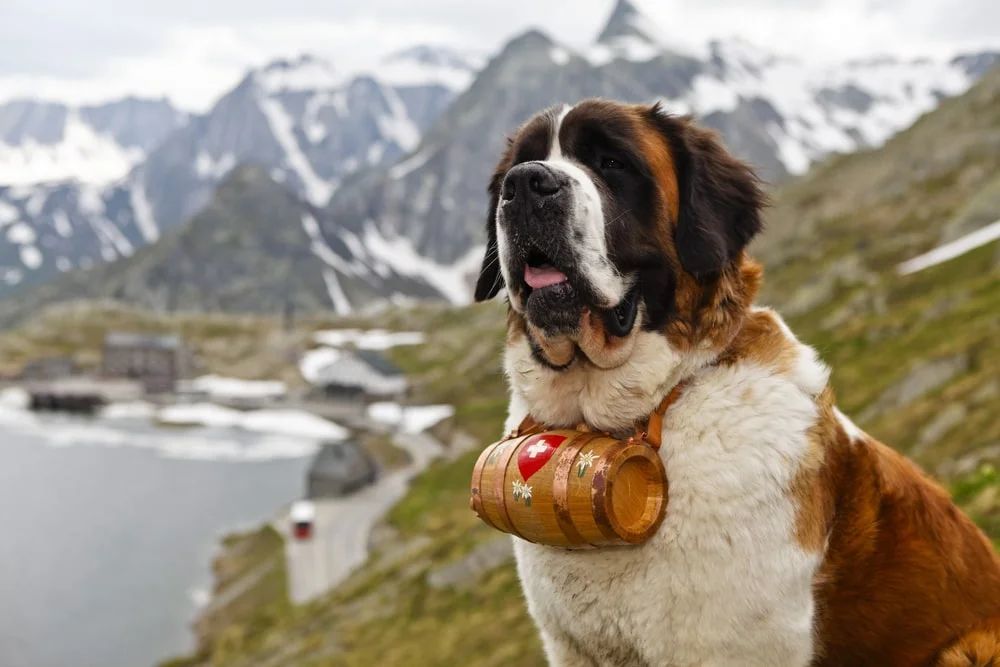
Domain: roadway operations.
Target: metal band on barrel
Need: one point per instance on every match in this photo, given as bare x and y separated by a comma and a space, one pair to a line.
477, 484
560, 486
499, 489
599, 492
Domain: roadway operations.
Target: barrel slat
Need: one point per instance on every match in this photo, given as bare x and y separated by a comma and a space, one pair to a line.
499, 485
560, 487
477, 484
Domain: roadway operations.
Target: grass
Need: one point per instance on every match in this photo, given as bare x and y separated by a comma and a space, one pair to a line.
387, 455
250, 576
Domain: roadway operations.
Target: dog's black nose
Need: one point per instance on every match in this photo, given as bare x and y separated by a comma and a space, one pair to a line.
531, 179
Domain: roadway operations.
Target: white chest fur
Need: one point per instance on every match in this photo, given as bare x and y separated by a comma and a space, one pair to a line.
724, 581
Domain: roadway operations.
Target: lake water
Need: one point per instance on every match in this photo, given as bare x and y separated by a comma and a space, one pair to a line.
108, 528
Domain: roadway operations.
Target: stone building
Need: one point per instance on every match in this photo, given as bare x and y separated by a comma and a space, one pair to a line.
158, 362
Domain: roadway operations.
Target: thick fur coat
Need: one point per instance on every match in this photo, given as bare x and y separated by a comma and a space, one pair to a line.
792, 538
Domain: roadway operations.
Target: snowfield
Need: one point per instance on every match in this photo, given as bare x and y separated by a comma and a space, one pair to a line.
409, 419
296, 423
949, 251
222, 387
372, 339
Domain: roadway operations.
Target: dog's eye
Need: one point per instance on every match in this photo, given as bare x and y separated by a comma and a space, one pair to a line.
611, 163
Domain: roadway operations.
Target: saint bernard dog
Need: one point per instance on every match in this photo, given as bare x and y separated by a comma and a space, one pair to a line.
791, 538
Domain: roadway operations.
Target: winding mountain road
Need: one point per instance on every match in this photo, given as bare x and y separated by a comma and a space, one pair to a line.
343, 526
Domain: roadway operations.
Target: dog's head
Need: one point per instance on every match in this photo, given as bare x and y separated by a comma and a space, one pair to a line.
610, 223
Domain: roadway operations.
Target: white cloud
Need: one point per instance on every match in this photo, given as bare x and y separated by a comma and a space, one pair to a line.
192, 50
197, 64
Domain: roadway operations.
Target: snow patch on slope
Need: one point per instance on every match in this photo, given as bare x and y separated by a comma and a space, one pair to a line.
423, 66
143, 212
400, 255
340, 303
398, 126
208, 167
8, 214
412, 163
21, 234
81, 154
31, 257
307, 73
951, 250
318, 191
325, 253
62, 224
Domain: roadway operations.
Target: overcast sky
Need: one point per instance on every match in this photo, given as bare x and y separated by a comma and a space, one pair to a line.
192, 50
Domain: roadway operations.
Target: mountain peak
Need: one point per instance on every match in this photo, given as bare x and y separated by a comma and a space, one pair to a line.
427, 54
426, 64
307, 72
529, 40
626, 22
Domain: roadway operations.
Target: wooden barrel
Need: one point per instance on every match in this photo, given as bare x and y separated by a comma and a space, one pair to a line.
571, 489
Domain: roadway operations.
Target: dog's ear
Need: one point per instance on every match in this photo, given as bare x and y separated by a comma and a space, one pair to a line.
721, 201
490, 280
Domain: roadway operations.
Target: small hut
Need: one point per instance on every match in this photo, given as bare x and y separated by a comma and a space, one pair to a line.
339, 469
361, 375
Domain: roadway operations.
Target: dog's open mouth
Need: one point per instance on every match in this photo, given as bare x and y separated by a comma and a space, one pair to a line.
539, 271
556, 305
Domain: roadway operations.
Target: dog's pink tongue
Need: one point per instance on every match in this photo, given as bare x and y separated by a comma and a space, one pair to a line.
538, 277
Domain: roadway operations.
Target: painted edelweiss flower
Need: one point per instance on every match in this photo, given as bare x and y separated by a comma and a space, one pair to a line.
522, 490
586, 460
498, 452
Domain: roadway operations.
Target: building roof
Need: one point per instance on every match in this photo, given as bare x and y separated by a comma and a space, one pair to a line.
379, 363
146, 341
303, 510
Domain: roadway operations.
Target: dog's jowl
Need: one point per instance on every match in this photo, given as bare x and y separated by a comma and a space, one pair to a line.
618, 236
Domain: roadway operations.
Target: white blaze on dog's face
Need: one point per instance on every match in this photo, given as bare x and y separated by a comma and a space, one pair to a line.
554, 204
607, 221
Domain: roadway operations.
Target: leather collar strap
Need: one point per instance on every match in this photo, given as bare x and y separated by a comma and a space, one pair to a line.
651, 432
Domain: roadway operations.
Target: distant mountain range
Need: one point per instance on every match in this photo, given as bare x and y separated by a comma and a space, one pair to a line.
384, 173
309, 125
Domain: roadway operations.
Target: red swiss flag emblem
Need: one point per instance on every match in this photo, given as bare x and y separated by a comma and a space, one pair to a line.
536, 452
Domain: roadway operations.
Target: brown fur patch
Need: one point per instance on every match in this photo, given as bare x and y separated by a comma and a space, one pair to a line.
558, 350
603, 349
815, 504
661, 163
905, 570
516, 327
762, 340
979, 647
713, 313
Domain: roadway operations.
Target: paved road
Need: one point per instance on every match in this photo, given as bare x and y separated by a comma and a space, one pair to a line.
343, 526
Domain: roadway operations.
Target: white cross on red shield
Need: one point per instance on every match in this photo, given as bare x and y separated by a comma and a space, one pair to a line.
536, 452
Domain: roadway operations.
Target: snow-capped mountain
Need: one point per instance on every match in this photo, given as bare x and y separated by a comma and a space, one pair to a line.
306, 122
392, 164
44, 142
780, 113
255, 247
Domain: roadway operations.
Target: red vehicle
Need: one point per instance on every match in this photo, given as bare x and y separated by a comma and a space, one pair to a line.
303, 516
